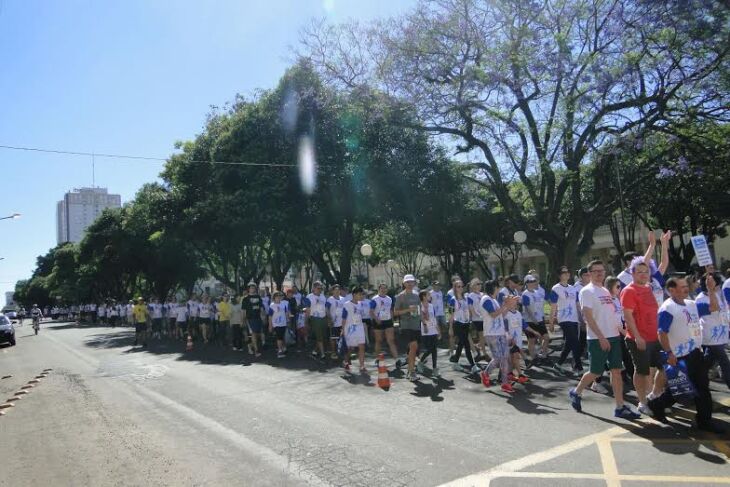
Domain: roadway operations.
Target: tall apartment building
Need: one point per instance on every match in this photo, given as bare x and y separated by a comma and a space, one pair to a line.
79, 208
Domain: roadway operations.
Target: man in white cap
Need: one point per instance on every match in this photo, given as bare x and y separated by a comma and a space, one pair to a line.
406, 308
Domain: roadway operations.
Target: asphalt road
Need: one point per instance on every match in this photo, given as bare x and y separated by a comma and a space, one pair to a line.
109, 414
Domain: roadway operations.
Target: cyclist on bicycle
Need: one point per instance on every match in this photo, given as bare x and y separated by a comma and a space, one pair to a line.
36, 314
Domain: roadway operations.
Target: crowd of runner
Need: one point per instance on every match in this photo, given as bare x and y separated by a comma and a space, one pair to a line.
627, 327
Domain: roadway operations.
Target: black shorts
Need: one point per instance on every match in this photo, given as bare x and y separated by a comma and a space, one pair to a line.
367, 322
411, 335
478, 326
183, 325
140, 327
335, 332
538, 327
280, 332
384, 324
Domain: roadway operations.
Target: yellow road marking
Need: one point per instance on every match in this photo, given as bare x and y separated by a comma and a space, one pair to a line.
608, 461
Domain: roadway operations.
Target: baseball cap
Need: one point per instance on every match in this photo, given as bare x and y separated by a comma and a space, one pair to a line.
408, 277
529, 278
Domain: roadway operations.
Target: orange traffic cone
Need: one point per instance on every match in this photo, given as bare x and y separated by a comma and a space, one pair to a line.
383, 378
189, 346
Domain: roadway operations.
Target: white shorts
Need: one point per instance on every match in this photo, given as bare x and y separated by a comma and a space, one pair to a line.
355, 335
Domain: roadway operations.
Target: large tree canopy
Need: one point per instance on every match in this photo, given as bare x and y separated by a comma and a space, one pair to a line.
529, 89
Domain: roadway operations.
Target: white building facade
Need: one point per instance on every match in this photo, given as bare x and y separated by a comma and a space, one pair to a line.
79, 208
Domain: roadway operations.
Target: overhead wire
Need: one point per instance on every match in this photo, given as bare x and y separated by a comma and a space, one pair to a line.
141, 158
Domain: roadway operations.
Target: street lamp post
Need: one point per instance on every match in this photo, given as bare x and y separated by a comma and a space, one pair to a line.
366, 251
391, 264
520, 237
14, 216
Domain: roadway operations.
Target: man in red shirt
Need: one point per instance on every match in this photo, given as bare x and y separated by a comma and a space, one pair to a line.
640, 314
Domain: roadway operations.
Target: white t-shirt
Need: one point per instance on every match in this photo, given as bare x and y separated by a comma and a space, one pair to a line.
492, 326
193, 308
714, 324
437, 300
625, 278
236, 314
474, 300
352, 314
515, 325
461, 308
600, 302
279, 313
532, 302
430, 327
181, 313
335, 305
566, 298
155, 310
317, 305
681, 323
365, 308
381, 306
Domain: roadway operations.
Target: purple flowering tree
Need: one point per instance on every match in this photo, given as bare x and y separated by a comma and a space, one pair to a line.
526, 92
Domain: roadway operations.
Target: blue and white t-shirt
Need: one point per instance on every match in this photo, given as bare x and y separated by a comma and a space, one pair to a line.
365, 308
566, 298
625, 278
279, 313
492, 326
657, 287
474, 299
381, 307
334, 306
504, 292
437, 299
430, 326
681, 323
461, 309
714, 324
532, 306
352, 314
317, 305
515, 325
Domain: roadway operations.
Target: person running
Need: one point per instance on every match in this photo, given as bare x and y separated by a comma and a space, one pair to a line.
430, 333
406, 309
604, 335
475, 297
193, 316
714, 325
563, 300
253, 308
141, 315
496, 335
532, 306
584, 278
113, 313
334, 306
680, 335
353, 329
365, 310
459, 323
316, 317
279, 316
381, 315
205, 317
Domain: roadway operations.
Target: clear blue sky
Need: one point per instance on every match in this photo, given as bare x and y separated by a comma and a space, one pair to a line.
127, 77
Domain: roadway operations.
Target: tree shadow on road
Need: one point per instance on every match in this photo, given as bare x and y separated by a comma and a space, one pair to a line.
678, 437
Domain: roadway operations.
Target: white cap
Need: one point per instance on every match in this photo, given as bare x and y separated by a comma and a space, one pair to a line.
408, 277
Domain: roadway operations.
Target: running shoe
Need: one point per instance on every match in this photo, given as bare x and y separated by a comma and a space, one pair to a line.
398, 363
599, 388
280, 355
409, 377
625, 412
644, 409
414, 377
346, 366
575, 400
485, 379
523, 379
436, 373
363, 370
507, 388
511, 377
475, 369
453, 359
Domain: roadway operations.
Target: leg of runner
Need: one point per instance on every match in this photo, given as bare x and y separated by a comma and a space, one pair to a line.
390, 338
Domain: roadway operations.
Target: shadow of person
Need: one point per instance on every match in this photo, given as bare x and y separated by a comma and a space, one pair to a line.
425, 389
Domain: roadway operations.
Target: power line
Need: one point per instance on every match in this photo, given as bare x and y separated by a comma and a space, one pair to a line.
140, 158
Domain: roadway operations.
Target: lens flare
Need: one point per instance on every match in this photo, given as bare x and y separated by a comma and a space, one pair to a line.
307, 165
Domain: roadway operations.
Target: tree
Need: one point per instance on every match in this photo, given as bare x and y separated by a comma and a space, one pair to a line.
531, 90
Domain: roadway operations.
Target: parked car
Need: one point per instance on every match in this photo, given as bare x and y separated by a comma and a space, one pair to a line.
12, 315
7, 330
